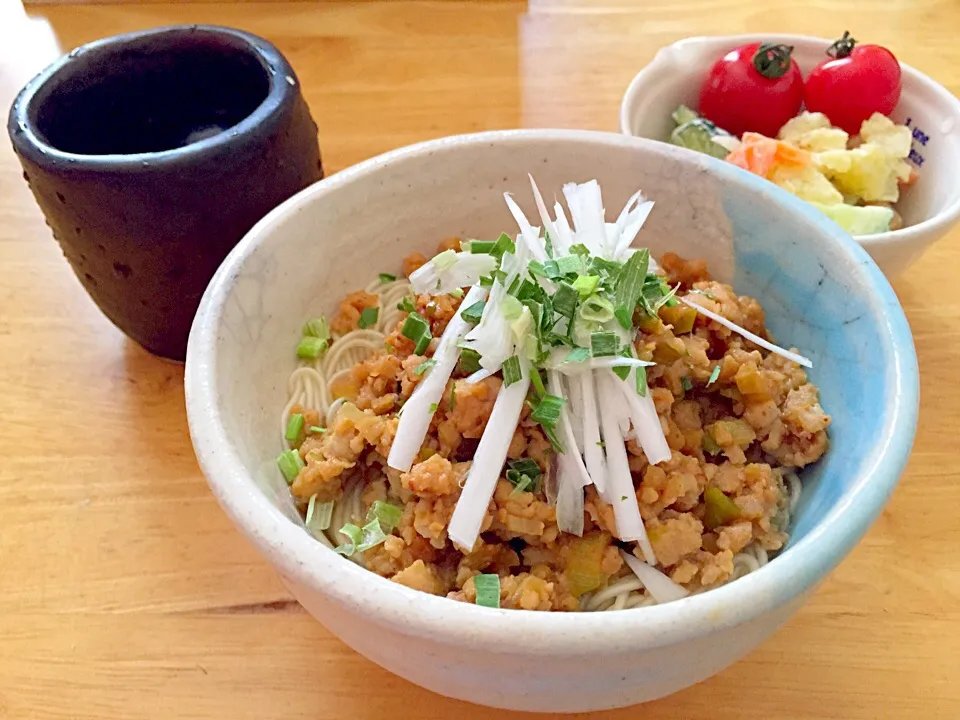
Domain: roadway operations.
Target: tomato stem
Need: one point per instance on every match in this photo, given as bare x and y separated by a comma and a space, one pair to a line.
772, 60
842, 47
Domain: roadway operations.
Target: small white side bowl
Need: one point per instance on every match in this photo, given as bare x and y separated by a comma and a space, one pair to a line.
930, 208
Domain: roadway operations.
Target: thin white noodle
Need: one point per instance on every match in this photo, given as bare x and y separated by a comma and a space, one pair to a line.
619, 588
796, 488
348, 510
309, 386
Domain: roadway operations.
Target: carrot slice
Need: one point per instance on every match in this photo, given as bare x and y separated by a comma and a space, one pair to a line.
760, 154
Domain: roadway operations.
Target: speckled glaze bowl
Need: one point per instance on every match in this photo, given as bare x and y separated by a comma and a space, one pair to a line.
151, 154
821, 293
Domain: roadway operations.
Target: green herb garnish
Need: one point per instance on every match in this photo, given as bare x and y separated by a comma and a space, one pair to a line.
488, 590
290, 464
368, 317
714, 375
604, 344
630, 286
294, 426
511, 371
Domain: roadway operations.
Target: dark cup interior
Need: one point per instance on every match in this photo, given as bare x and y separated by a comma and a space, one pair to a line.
151, 154
137, 101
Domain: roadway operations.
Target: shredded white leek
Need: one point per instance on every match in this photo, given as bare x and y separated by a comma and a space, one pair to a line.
646, 423
661, 587
620, 492
488, 461
755, 339
417, 413
452, 271
593, 454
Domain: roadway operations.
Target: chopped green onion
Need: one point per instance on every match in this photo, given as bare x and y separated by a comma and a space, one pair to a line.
317, 328
417, 329
586, 285
445, 260
480, 247
406, 304
596, 308
524, 483
290, 464
424, 366
433, 408
623, 372
714, 375
355, 539
551, 434
456, 293
310, 348
569, 264
668, 298
317, 429
577, 355
511, 307
453, 395
602, 266
503, 245
630, 286
603, 344
528, 291
536, 268
562, 266
551, 269
488, 590
387, 277
473, 313
511, 371
361, 539
537, 382
294, 426
523, 466
368, 317
565, 300
386, 514
686, 384
319, 516
469, 361
547, 412
580, 249
641, 380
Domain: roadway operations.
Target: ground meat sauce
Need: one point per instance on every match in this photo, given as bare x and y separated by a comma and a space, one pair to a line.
736, 432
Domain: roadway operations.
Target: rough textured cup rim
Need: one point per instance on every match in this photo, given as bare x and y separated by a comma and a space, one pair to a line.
34, 146
937, 223
304, 560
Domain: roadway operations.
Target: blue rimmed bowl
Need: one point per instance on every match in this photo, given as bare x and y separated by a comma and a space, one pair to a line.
821, 292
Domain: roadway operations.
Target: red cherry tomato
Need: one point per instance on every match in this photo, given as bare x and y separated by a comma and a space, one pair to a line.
853, 83
754, 88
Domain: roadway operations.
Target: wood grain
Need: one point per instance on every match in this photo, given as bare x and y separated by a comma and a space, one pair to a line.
125, 592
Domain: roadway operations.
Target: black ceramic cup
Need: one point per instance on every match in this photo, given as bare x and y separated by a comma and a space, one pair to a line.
151, 155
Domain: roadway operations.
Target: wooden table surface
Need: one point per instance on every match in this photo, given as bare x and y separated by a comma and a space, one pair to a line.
124, 590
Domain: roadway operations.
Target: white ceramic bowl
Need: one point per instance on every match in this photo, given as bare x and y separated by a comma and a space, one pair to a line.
930, 208
820, 292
